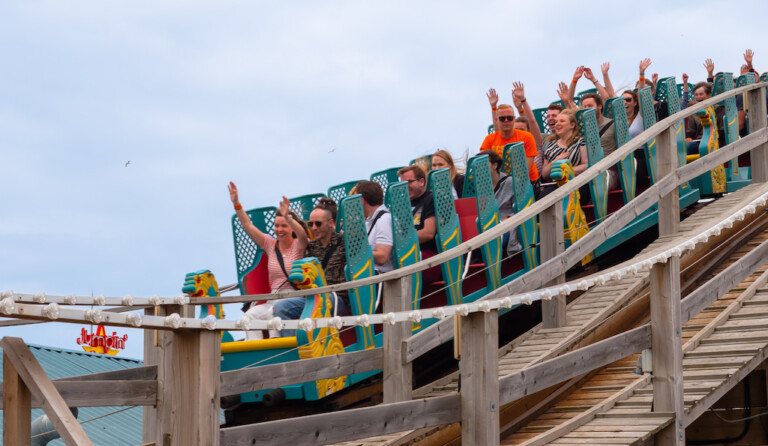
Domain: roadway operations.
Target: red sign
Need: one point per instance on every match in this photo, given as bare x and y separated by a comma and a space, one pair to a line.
99, 342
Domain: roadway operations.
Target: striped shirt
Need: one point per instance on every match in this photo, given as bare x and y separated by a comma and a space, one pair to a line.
277, 278
552, 151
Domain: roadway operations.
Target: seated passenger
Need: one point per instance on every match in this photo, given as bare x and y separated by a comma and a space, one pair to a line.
504, 192
290, 244
565, 143
607, 132
378, 223
328, 248
423, 208
507, 134
701, 92
441, 160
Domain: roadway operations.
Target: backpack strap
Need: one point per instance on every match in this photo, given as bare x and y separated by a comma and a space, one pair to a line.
375, 219
282, 265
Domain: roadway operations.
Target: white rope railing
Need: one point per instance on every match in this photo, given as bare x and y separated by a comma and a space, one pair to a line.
15, 305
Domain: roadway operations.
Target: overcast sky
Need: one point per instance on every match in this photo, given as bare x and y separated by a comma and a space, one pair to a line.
195, 94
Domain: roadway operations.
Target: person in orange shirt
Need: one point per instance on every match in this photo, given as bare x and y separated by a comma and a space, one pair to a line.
508, 134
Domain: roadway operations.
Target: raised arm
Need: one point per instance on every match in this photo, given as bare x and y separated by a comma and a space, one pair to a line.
600, 89
710, 66
493, 99
686, 94
562, 92
748, 55
285, 211
518, 96
607, 81
572, 87
253, 232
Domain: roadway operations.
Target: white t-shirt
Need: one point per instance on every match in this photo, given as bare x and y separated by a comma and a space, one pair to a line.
637, 126
381, 234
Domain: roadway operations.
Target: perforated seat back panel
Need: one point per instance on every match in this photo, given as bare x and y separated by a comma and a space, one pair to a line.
448, 231
724, 83
649, 119
406, 242
614, 109
304, 204
667, 89
586, 120
338, 193
541, 118
247, 252
527, 233
487, 216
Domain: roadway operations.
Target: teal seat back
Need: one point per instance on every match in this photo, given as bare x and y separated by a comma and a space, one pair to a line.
516, 165
724, 83
586, 119
487, 216
541, 119
764, 77
422, 161
680, 88
448, 232
338, 193
649, 119
666, 90
405, 250
558, 102
247, 252
359, 264
491, 129
614, 109
746, 79
385, 178
304, 204
581, 94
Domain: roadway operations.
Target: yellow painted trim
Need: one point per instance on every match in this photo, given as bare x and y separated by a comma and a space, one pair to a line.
263, 344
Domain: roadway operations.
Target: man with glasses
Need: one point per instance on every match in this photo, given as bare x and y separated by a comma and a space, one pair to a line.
328, 247
423, 208
508, 134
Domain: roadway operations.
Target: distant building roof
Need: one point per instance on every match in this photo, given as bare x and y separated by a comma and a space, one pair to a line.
113, 426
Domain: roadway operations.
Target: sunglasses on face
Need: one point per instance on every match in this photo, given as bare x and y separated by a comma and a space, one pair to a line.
314, 224
506, 118
627, 99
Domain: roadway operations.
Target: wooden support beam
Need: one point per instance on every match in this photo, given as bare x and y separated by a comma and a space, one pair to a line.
40, 386
553, 312
17, 399
479, 367
346, 425
270, 376
100, 393
398, 374
667, 349
666, 163
151, 359
757, 120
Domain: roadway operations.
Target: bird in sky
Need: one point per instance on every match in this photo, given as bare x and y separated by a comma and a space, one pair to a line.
332, 150
127, 163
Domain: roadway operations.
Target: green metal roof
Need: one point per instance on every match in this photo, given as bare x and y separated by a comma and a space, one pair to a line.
110, 426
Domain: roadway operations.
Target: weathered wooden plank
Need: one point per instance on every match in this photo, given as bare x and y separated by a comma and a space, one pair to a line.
757, 122
397, 373
41, 387
349, 424
479, 378
99, 393
572, 364
277, 375
553, 312
17, 399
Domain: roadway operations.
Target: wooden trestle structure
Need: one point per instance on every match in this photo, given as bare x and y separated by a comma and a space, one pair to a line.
523, 393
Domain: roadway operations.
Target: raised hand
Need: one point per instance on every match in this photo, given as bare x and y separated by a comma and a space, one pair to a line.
744, 69
579, 72
605, 67
655, 78
233, 193
493, 98
748, 55
710, 66
644, 64
685, 78
285, 208
588, 74
518, 93
562, 92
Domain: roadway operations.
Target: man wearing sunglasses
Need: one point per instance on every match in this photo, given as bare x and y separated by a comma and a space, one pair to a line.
508, 134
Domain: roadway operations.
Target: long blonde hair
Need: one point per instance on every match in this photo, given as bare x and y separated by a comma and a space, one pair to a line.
576, 133
444, 154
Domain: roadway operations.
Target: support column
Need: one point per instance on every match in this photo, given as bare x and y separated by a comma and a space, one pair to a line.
17, 406
480, 378
151, 357
666, 163
553, 313
398, 375
757, 121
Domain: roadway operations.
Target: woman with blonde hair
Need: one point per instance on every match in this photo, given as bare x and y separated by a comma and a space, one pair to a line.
565, 143
443, 159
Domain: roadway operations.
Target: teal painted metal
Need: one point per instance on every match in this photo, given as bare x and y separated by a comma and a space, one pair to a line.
448, 232
666, 90
649, 119
304, 204
586, 119
491, 129
386, 177
745, 79
516, 165
109, 427
422, 161
581, 94
359, 264
724, 83
406, 242
680, 90
541, 119
469, 184
247, 252
487, 217
614, 109
337, 193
